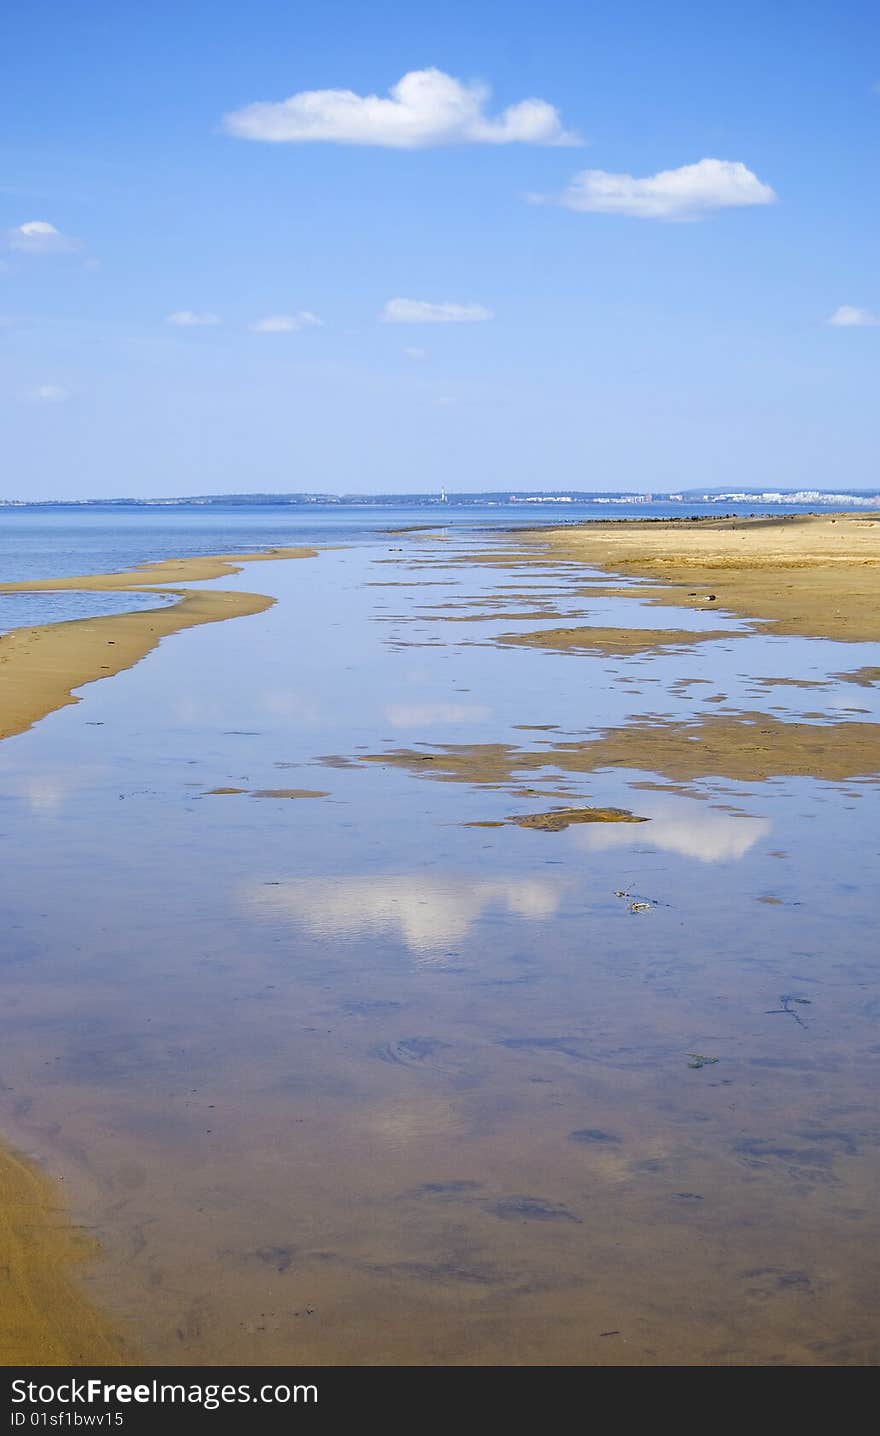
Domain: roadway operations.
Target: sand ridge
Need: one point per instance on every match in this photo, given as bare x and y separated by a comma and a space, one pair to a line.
167, 570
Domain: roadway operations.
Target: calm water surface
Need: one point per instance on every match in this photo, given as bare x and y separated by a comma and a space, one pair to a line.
45, 541
341, 1079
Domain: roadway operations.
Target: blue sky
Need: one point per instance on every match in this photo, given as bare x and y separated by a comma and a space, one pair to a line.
615, 334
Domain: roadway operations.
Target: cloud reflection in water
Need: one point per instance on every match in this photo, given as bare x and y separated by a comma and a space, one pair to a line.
425, 913
686, 828
427, 714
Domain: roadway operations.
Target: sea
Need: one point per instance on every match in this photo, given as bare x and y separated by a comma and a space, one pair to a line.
45, 540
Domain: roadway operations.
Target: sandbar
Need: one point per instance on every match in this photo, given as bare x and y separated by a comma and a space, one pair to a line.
42, 665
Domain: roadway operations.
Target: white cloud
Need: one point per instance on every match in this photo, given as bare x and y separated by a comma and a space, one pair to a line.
413, 353
424, 108
686, 193
285, 323
189, 319
849, 317
48, 394
38, 236
422, 311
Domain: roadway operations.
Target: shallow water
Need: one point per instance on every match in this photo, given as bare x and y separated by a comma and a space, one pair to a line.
341, 1079
22, 610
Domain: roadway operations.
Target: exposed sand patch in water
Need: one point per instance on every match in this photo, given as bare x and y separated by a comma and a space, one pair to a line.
560, 818
613, 642
867, 677
748, 747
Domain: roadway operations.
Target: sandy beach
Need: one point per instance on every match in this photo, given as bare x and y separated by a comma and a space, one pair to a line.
815, 575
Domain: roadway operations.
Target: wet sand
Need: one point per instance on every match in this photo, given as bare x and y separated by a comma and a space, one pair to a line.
750, 747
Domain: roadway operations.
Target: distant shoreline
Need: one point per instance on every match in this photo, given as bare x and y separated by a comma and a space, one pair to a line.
800, 499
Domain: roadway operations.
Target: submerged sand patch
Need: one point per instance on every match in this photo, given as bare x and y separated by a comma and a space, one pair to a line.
268, 792
44, 1319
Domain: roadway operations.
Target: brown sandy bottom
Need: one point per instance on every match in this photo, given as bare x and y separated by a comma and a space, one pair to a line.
437, 1152
44, 1316
268, 792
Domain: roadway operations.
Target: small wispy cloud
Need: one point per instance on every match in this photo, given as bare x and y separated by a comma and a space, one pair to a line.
47, 394
848, 316
423, 311
38, 236
414, 353
190, 319
687, 193
425, 108
286, 323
